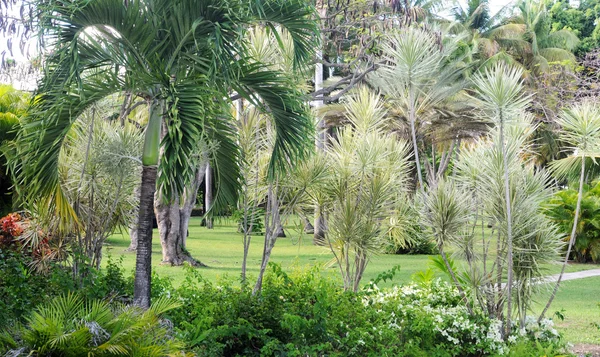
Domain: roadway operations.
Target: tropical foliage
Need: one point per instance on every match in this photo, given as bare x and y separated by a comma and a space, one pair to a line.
71, 326
561, 209
493, 109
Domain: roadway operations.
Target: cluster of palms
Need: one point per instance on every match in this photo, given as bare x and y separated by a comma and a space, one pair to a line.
187, 61
522, 38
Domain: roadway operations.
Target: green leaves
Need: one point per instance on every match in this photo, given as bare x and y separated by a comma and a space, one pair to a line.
71, 326
189, 54
580, 125
500, 92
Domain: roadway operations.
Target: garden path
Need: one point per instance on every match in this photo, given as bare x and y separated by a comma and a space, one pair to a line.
575, 275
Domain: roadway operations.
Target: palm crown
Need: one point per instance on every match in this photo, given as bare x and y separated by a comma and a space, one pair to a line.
188, 55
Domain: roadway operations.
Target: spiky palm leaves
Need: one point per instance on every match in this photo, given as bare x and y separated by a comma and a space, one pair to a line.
497, 183
420, 74
100, 171
500, 95
71, 326
456, 211
183, 57
361, 182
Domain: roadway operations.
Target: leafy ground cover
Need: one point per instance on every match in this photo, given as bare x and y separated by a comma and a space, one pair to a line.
221, 250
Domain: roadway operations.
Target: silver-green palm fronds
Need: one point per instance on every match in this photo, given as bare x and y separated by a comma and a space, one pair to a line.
580, 125
500, 95
446, 211
100, 172
481, 171
365, 188
420, 73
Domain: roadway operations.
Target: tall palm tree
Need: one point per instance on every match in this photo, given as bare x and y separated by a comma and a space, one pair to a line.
580, 125
500, 95
185, 58
420, 73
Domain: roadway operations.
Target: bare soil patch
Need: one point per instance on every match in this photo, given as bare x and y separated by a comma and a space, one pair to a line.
586, 350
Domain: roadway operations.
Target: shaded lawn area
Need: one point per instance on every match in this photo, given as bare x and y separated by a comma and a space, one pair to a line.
221, 249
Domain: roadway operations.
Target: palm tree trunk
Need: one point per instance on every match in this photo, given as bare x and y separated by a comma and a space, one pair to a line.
270, 237
571, 239
208, 196
413, 135
509, 264
173, 221
320, 225
143, 262
133, 229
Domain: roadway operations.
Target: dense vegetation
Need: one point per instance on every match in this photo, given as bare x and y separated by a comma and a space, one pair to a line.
411, 133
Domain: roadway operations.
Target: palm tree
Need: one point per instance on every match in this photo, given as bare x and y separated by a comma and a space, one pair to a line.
580, 125
361, 183
528, 38
420, 74
500, 96
185, 58
484, 30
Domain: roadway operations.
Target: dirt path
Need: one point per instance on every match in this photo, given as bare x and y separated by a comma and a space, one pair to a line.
586, 350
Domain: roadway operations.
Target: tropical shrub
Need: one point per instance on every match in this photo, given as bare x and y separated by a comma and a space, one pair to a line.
561, 209
305, 313
23, 288
69, 325
360, 184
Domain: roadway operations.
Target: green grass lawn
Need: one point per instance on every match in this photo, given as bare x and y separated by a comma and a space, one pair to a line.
221, 249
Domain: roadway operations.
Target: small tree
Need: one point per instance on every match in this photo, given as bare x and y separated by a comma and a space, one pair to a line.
420, 73
500, 94
361, 182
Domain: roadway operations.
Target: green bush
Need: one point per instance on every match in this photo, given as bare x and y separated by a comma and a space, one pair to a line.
561, 209
22, 288
304, 313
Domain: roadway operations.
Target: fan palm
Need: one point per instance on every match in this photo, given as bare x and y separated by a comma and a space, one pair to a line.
71, 326
581, 130
184, 58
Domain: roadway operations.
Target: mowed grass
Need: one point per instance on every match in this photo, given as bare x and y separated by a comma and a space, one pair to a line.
221, 249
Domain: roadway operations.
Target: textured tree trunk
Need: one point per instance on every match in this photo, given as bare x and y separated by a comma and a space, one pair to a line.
133, 230
278, 226
413, 135
320, 225
270, 236
308, 227
509, 237
320, 228
208, 196
143, 262
173, 221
